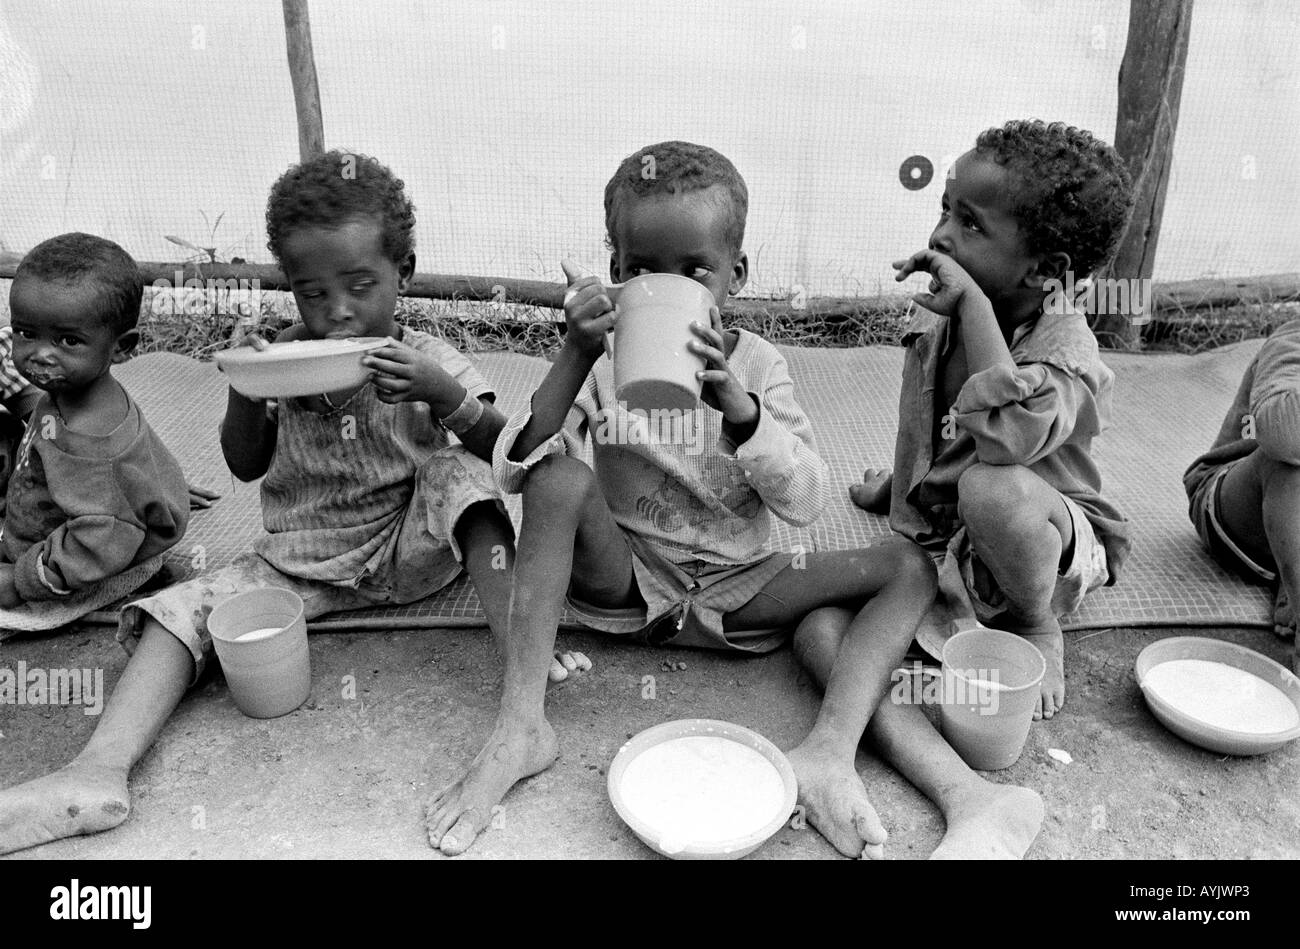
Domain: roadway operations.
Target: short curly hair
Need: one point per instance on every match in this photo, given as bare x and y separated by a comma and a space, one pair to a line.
677, 168
74, 257
334, 188
1072, 192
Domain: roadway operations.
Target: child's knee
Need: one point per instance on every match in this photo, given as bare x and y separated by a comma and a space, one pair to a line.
820, 632
996, 499
559, 483
913, 567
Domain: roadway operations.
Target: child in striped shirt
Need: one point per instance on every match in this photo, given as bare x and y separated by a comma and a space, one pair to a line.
664, 539
364, 499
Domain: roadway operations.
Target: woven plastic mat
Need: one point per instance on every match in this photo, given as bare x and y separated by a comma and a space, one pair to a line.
1167, 410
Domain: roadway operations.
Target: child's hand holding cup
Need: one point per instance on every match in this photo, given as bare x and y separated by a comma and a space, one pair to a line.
588, 311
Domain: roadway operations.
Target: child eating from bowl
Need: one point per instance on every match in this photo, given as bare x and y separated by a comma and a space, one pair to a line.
95, 498
1244, 492
364, 499
664, 539
1003, 389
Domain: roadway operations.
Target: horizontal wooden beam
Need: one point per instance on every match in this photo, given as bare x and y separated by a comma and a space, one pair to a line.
1171, 295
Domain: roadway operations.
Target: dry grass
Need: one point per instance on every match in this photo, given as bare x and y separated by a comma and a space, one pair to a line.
474, 326
488, 327
1196, 331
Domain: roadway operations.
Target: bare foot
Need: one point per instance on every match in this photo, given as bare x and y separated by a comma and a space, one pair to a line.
458, 813
835, 801
565, 664
80, 798
874, 491
1051, 644
994, 822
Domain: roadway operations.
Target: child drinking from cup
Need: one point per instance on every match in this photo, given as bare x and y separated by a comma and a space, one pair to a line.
94, 499
1003, 389
1244, 492
364, 499
664, 538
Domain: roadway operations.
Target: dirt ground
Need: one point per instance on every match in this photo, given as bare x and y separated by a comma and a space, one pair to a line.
348, 777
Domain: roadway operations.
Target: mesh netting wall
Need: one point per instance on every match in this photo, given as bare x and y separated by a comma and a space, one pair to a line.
136, 119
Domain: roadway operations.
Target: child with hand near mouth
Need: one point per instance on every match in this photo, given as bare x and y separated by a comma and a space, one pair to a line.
95, 498
1004, 391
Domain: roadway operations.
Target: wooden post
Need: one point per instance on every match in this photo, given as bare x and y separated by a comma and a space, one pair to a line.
1150, 88
302, 71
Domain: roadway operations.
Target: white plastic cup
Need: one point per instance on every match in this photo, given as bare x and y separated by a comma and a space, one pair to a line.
654, 367
261, 641
990, 686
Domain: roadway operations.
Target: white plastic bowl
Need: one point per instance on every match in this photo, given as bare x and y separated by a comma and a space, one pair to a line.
297, 368
1190, 728
657, 838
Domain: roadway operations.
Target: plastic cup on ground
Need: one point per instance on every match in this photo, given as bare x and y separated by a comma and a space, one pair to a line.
260, 639
990, 687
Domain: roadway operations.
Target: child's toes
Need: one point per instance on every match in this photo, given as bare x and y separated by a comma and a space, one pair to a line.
557, 672
1050, 701
570, 663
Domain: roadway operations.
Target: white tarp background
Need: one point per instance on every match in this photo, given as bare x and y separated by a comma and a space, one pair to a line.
505, 119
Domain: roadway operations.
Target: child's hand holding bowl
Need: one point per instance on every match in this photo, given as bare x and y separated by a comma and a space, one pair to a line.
401, 373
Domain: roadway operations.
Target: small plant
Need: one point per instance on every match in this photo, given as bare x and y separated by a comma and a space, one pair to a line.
198, 320
201, 252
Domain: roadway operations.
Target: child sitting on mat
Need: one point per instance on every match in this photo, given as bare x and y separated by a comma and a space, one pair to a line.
1244, 492
664, 539
364, 499
1003, 389
94, 499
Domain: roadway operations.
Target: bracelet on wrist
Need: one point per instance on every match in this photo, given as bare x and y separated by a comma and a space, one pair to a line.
465, 416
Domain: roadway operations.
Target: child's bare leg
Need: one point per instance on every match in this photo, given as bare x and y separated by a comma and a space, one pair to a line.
985, 820
1259, 506
487, 543
568, 532
90, 794
1019, 525
889, 587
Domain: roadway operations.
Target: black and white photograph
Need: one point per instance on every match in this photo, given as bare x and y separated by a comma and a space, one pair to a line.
648, 430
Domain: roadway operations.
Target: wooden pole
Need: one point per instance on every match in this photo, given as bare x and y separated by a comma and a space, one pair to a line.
302, 72
1150, 89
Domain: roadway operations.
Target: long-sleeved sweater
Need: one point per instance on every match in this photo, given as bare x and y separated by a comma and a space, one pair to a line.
676, 480
82, 508
1042, 414
1264, 415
